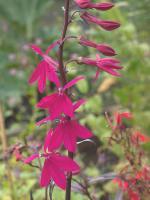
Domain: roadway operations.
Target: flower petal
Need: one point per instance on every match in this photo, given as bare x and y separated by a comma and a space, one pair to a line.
82, 131
36, 73
67, 106
46, 173
69, 137
73, 82
79, 103
58, 175
57, 107
47, 101
52, 75
55, 139
42, 121
31, 158
53, 45
42, 82
66, 163
36, 49
47, 139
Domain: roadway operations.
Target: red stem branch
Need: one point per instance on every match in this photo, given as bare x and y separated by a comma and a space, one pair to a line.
64, 81
60, 53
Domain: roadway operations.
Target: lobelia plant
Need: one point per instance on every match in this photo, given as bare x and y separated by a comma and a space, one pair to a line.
59, 104
59, 169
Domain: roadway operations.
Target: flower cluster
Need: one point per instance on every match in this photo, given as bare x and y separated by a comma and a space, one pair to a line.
135, 176
61, 108
134, 184
109, 65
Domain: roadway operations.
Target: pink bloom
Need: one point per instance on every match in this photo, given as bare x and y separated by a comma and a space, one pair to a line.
46, 69
58, 103
99, 6
139, 137
109, 65
105, 24
54, 169
75, 107
103, 48
66, 132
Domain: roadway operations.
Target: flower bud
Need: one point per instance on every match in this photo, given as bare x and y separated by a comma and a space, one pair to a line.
102, 6
106, 49
103, 48
105, 24
86, 4
83, 3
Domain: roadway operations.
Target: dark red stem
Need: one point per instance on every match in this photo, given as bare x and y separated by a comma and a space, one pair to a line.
60, 53
64, 81
69, 179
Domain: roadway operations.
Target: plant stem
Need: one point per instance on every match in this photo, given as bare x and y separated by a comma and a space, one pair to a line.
60, 53
46, 193
69, 179
64, 81
3, 136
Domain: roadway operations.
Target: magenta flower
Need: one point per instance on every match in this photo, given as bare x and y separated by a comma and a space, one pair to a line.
46, 69
67, 132
75, 107
103, 48
109, 65
105, 24
54, 169
59, 103
99, 6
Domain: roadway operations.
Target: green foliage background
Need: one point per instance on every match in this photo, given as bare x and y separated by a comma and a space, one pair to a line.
26, 21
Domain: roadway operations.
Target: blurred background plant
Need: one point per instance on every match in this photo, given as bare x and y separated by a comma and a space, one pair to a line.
23, 22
